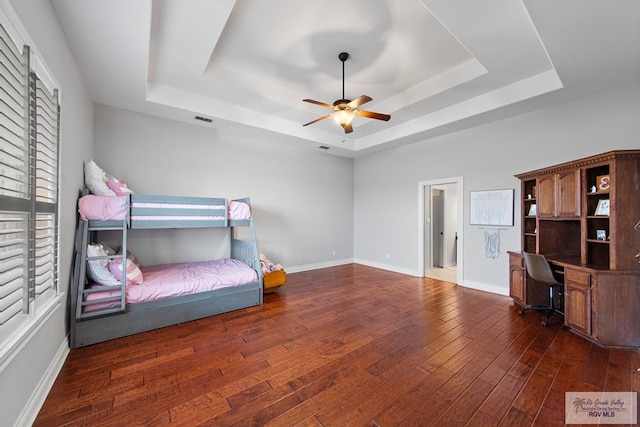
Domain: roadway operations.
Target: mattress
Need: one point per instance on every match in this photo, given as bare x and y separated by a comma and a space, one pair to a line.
106, 208
170, 280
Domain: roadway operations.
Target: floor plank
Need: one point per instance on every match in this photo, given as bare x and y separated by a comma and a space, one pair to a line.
347, 345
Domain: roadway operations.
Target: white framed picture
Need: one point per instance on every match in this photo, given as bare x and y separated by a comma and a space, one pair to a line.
532, 210
603, 207
491, 207
601, 234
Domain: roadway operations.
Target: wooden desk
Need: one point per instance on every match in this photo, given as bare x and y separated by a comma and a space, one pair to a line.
593, 249
601, 305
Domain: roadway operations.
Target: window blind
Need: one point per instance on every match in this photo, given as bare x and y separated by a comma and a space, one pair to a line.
29, 159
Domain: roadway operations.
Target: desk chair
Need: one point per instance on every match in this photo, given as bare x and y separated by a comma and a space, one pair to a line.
538, 268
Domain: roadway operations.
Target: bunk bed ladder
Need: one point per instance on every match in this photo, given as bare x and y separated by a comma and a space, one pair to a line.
246, 251
84, 289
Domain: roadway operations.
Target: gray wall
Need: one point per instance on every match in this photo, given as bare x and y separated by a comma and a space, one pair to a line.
307, 204
386, 184
25, 376
302, 200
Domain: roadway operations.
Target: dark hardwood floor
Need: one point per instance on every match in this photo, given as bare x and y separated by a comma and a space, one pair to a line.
348, 345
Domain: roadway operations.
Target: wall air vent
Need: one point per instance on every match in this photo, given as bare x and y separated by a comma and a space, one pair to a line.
323, 147
204, 119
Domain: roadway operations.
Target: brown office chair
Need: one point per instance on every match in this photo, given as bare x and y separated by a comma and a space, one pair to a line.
538, 268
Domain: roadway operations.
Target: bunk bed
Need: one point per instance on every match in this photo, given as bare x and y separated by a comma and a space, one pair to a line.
105, 311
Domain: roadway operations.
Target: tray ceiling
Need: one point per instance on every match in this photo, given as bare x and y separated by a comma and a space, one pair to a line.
436, 66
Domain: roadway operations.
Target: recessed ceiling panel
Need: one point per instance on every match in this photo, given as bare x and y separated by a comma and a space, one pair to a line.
280, 47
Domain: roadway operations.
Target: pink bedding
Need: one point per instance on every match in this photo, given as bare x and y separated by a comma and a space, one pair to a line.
239, 210
169, 280
104, 208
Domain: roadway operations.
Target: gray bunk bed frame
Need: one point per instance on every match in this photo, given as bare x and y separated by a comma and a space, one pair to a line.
91, 327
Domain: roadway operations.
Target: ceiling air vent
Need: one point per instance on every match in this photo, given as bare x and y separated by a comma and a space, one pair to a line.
203, 119
323, 147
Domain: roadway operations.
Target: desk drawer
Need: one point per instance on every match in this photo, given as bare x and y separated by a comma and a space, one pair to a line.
577, 277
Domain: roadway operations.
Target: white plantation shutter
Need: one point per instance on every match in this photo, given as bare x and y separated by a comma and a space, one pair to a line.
13, 272
14, 160
46, 144
29, 129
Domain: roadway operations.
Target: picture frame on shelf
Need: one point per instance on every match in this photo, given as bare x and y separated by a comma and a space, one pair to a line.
601, 234
532, 210
603, 208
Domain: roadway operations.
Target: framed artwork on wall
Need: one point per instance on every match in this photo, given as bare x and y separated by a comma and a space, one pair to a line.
491, 207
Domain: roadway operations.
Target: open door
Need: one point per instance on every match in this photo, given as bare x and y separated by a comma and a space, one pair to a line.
441, 229
437, 228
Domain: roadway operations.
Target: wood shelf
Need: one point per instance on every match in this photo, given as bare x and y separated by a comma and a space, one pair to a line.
602, 277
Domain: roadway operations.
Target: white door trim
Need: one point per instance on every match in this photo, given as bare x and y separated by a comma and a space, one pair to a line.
460, 218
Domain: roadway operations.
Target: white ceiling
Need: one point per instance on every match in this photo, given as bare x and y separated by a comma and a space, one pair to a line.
436, 66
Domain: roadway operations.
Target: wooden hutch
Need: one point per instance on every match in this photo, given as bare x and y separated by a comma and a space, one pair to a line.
583, 216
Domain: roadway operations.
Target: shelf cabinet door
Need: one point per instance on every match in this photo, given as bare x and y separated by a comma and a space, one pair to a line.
546, 196
516, 284
577, 301
577, 314
559, 195
568, 194
517, 289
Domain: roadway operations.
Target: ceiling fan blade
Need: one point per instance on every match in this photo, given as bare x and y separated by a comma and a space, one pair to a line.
318, 103
359, 101
372, 115
317, 120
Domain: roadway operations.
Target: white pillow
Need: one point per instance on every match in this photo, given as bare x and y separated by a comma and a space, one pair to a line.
96, 180
98, 269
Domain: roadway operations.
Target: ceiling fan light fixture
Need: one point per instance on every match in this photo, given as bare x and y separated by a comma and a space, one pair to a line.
345, 110
343, 117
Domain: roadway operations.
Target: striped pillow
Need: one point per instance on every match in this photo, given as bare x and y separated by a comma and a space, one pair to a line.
134, 274
131, 257
118, 187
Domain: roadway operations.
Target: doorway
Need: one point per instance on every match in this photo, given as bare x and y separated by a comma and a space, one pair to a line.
441, 226
437, 227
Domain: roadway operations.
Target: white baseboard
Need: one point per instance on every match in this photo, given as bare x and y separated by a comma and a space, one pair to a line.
40, 394
387, 267
318, 265
486, 287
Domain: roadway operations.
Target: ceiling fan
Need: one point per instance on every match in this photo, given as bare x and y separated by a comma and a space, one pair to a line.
345, 110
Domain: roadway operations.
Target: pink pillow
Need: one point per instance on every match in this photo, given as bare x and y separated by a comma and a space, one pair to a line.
134, 274
118, 187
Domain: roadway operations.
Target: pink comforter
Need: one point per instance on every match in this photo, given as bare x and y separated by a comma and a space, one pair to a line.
169, 280
104, 208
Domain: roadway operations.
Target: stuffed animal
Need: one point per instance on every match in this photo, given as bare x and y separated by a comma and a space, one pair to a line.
267, 265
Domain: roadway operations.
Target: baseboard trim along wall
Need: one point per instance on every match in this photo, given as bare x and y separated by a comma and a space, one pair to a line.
31, 410
487, 287
387, 267
317, 265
